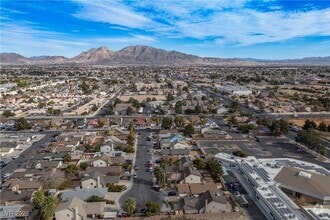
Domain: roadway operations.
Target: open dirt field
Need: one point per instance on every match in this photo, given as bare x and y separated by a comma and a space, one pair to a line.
301, 122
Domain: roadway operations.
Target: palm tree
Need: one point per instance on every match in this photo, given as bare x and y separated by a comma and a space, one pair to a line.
48, 209
130, 205
39, 198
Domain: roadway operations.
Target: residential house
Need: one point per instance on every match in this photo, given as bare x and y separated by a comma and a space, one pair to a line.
109, 150
111, 170
103, 161
21, 185
178, 144
195, 189
84, 193
46, 164
12, 197
186, 161
7, 147
121, 108
95, 179
207, 202
176, 137
190, 175
182, 152
29, 174
76, 208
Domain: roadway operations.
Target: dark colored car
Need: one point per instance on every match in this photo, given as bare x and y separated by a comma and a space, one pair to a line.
156, 188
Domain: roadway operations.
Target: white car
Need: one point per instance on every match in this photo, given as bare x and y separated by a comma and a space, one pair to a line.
15, 157
6, 175
135, 176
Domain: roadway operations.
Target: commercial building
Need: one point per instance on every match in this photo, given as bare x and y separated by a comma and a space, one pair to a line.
265, 180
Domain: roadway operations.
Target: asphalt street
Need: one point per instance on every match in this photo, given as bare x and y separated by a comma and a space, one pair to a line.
25, 155
142, 185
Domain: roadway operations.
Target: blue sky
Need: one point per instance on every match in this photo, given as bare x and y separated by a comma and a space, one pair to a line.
266, 29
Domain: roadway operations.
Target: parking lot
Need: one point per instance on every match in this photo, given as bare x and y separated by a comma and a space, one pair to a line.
267, 147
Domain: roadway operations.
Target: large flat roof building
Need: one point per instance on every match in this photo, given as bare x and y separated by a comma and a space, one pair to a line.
265, 179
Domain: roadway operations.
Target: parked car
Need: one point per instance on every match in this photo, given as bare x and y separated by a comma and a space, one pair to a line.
122, 215
156, 188
171, 193
6, 175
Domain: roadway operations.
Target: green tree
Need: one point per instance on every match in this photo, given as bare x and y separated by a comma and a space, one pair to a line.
215, 169
169, 97
167, 123
129, 110
8, 113
152, 208
94, 108
130, 205
83, 166
262, 121
240, 153
233, 120
159, 174
311, 140
178, 107
136, 104
110, 110
198, 109
130, 139
322, 126
189, 130
309, 125
85, 88
21, 124
131, 127
179, 121
235, 106
48, 209
95, 198
199, 164
245, 128
279, 127
39, 198
67, 158
71, 170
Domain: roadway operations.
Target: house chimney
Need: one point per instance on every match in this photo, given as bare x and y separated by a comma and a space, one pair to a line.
98, 182
76, 213
205, 210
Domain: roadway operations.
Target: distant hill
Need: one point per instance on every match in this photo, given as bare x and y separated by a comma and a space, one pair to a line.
12, 58
145, 55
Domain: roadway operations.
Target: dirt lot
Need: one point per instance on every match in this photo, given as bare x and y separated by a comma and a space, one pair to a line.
301, 122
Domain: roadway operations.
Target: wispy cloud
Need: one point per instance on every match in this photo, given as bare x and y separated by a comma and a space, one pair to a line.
229, 22
234, 24
112, 12
37, 41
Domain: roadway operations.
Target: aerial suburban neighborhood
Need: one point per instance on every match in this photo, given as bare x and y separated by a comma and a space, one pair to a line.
106, 142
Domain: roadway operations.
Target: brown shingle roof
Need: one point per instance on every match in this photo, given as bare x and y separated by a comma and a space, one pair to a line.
196, 188
316, 185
